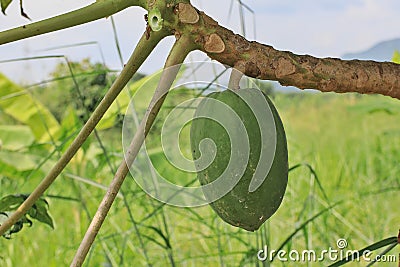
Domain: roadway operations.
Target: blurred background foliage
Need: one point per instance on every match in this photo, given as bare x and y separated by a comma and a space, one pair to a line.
345, 149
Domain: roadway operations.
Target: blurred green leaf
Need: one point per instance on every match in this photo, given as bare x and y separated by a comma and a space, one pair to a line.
16, 102
123, 100
19, 161
38, 212
41, 213
11, 202
119, 107
15, 137
396, 57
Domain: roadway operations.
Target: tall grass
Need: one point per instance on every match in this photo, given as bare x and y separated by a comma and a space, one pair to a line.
353, 150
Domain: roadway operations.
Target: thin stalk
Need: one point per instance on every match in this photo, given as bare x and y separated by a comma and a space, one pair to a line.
386, 251
383, 243
128, 208
170, 251
234, 80
242, 22
177, 55
303, 225
95, 11
116, 39
219, 244
141, 52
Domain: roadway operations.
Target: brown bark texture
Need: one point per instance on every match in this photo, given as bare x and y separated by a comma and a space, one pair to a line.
302, 71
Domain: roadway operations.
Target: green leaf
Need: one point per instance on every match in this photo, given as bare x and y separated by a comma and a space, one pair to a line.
41, 213
17, 102
4, 5
396, 57
15, 137
123, 100
38, 212
11, 202
70, 122
19, 161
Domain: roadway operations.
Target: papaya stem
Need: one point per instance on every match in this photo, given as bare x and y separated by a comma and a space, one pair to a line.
177, 55
142, 51
234, 79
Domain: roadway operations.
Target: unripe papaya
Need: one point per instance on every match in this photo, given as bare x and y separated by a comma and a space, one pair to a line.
244, 169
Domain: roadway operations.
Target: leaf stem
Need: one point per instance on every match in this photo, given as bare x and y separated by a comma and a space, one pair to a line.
234, 79
177, 55
142, 51
95, 11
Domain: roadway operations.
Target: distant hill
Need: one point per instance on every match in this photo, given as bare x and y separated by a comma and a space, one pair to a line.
382, 51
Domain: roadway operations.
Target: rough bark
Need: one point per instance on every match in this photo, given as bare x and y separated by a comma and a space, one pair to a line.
302, 71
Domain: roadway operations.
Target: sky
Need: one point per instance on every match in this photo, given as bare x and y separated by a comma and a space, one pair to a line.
324, 28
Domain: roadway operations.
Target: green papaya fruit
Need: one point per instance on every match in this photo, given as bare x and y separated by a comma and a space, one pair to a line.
239, 148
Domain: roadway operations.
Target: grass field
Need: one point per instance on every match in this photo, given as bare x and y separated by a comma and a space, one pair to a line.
349, 150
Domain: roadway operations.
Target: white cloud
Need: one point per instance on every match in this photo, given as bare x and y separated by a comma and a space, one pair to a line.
322, 28
316, 29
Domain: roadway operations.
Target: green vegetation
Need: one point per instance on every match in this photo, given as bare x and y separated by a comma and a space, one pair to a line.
83, 86
351, 143
396, 57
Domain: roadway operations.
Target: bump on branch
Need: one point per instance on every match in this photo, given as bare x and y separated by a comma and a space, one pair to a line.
302, 71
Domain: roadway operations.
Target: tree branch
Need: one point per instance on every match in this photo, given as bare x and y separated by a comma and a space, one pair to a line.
257, 60
141, 52
177, 55
302, 71
95, 11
